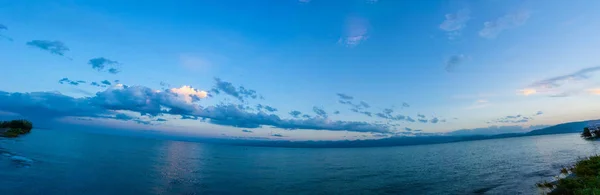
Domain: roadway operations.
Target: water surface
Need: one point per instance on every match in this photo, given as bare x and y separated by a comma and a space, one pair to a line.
71, 162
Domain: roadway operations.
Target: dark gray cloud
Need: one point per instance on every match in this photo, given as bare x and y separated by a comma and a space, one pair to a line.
562, 79
70, 82
492, 29
320, 112
54, 47
344, 96
247, 131
228, 88
101, 64
295, 113
454, 61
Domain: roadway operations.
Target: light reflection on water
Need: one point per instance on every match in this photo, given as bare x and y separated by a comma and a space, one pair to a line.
68, 162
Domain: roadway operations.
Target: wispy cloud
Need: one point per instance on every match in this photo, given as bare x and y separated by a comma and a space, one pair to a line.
344, 96
320, 112
480, 103
594, 91
54, 47
455, 23
454, 61
295, 113
247, 131
101, 64
70, 82
240, 93
547, 86
356, 31
4, 28
493, 28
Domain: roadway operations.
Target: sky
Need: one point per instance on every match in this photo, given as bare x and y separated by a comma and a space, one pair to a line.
301, 69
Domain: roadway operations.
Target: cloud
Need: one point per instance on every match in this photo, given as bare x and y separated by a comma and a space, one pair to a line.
420, 116
434, 120
270, 109
228, 88
102, 63
106, 82
527, 92
188, 93
422, 120
70, 82
364, 104
4, 28
539, 113
407, 129
514, 119
405, 105
492, 29
455, 22
295, 113
558, 81
247, 131
277, 135
336, 112
480, 103
54, 47
454, 61
304, 1
551, 84
355, 32
320, 112
409, 119
154, 103
345, 97
594, 91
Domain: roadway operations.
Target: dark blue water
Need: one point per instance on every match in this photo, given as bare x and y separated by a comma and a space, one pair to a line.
70, 162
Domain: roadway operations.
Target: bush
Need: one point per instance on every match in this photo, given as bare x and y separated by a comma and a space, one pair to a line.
16, 127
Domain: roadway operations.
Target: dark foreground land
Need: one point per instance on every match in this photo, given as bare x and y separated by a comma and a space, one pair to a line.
15, 128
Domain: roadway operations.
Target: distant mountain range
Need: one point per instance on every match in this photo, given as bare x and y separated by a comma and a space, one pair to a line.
572, 127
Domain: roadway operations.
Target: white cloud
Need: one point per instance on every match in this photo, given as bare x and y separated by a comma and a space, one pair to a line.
492, 29
355, 32
455, 22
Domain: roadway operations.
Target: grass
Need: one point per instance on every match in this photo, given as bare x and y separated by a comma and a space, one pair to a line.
15, 128
585, 179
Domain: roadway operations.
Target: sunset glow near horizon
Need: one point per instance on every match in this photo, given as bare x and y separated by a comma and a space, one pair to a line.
301, 69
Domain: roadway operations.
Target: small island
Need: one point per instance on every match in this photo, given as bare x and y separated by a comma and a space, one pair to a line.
591, 132
15, 128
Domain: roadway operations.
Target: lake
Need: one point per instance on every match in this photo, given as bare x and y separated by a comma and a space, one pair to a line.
75, 162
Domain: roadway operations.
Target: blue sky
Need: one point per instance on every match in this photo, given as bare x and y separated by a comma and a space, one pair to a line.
452, 64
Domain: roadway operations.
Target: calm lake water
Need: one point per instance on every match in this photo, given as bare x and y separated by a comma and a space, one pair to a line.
69, 162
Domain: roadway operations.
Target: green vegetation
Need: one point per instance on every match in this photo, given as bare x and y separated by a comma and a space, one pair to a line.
15, 128
584, 179
590, 134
